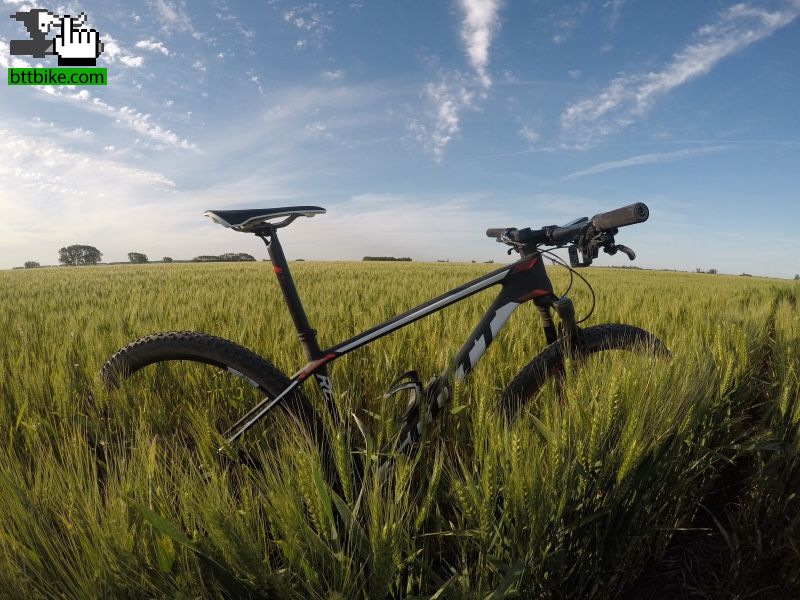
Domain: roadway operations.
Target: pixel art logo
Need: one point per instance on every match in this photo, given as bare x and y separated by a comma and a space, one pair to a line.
75, 45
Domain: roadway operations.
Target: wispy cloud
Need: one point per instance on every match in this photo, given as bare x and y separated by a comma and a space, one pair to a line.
173, 14
647, 159
454, 92
114, 52
529, 134
54, 162
125, 115
479, 25
628, 97
10, 61
311, 19
567, 20
228, 17
614, 8
445, 99
333, 75
153, 46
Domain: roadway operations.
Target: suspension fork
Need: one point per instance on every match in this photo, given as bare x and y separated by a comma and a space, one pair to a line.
568, 330
544, 306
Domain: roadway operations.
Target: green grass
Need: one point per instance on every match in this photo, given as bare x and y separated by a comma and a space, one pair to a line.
657, 478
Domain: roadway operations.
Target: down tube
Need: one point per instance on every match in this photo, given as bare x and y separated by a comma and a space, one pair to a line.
483, 334
473, 349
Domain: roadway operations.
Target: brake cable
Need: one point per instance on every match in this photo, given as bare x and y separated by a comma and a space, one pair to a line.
557, 260
561, 262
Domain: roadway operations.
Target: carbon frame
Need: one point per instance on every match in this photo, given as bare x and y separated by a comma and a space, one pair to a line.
520, 282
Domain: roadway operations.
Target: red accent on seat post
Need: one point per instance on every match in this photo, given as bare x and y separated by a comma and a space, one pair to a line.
278, 270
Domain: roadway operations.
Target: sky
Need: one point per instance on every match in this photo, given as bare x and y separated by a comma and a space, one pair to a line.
417, 125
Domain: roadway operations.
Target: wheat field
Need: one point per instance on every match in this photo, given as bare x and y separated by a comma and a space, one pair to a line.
656, 478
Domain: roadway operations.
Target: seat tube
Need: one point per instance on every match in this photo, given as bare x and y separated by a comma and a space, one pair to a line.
308, 335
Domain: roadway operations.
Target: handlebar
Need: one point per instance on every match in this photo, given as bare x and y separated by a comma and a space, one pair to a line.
557, 236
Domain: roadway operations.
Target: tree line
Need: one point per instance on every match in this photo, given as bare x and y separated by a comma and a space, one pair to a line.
80, 255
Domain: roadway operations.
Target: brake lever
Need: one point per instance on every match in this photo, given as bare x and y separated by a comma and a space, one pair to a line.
627, 251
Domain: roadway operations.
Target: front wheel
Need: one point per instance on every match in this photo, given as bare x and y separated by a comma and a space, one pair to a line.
550, 361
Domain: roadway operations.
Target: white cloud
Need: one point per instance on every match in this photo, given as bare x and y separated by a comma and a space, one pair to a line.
647, 159
628, 97
172, 14
256, 80
79, 133
126, 116
454, 92
567, 19
529, 135
334, 75
15, 61
233, 20
132, 61
113, 52
310, 18
479, 25
318, 131
153, 46
614, 8
446, 99
43, 161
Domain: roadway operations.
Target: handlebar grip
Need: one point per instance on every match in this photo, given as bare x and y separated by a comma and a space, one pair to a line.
627, 215
496, 232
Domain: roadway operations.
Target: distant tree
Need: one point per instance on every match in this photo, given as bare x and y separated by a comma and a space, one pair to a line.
386, 258
31, 264
712, 271
236, 257
698, 270
79, 255
797, 277
137, 258
746, 275
227, 257
167, 259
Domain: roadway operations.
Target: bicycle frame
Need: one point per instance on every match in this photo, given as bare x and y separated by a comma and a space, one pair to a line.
522, 281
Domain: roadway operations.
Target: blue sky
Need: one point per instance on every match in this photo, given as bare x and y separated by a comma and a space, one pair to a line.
417, 125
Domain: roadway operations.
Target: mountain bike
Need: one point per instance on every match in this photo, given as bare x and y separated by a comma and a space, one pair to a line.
525, 280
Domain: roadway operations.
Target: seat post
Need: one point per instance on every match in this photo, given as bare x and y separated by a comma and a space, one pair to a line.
308, 335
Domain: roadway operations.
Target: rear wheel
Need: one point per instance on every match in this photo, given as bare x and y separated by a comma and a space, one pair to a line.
229, 378
550, 361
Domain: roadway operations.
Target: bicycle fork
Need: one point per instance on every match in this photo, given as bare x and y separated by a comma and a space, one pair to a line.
571, 335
